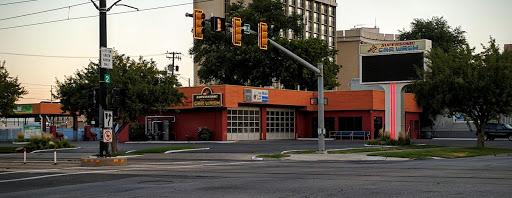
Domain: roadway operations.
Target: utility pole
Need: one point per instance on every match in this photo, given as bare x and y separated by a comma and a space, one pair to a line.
173, 55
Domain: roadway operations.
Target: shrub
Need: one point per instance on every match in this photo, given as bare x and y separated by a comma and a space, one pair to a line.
386, 140
21, 137
136, 132
204, 134
46, 142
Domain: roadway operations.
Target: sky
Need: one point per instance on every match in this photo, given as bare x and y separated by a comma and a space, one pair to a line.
50, 51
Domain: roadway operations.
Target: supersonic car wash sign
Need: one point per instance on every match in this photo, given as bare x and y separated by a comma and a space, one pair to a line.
207, 98
392, 62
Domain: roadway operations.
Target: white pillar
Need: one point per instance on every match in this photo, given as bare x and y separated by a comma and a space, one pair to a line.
395, 109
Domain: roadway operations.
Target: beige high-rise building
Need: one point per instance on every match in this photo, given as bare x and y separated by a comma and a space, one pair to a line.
319, 18
348, 42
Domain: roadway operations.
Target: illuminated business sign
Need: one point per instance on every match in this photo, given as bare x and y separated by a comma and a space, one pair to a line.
255, 95
23, 108
207, 98
392, 62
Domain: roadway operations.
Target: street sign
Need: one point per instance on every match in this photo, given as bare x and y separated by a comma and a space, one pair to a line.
107, 119
106, 58
107, 135
247, 29
107, 78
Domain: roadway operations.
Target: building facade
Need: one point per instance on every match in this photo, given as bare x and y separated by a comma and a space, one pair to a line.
253, 113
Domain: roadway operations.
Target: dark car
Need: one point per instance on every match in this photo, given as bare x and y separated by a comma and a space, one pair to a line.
497, 130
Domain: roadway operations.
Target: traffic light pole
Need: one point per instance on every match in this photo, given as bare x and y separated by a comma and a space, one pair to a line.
319, 72
103, 71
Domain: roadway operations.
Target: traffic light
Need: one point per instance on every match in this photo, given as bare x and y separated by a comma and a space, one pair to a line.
262, 36
218, 24
116, 97
198, 24
237, 31
88, 99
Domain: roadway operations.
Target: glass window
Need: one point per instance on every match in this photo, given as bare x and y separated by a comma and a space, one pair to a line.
317, 20
316, 28
290, 11
331, 21
308, 5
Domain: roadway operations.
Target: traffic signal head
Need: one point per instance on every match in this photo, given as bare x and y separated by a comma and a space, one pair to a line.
198, 24
263, 35
237, 31
218, 24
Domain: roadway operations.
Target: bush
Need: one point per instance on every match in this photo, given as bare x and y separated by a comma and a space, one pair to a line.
386, 140
204, 134
136, 132
46, 142
21, 137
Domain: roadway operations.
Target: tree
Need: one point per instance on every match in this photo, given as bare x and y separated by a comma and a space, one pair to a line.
223, 63
144, 87
10, 91
438, 31
477, 85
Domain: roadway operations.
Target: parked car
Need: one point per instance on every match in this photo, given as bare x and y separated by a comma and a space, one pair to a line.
496, 130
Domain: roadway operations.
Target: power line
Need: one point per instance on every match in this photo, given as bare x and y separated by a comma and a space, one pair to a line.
17, 2
24, 15
84, 17
83, 57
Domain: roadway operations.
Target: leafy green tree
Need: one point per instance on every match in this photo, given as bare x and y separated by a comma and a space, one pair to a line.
10, 91
144, 87
436, 29
223, 63
476, 85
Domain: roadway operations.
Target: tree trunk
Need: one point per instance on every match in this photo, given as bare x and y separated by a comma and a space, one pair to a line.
116, 137
480, 139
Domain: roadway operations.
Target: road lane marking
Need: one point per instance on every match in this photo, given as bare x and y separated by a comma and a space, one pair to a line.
54, 175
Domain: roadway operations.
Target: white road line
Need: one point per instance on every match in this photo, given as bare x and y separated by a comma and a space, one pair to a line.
184, 150
55, 175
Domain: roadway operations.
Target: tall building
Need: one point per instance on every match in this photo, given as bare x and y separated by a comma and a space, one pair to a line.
348, 42
319, 18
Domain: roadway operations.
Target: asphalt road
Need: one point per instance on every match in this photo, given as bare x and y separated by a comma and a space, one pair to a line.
226, 171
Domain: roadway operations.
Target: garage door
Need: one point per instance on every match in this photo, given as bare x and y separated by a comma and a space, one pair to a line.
244, 123
280, 123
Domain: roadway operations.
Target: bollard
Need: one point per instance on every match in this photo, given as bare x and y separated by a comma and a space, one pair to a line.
24, 155
54, 156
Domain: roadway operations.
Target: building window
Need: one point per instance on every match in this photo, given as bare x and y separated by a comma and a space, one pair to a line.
317, 28
331, 41
308, 34
332, 31
317, 20
310, 16
299, 12
243, 120
324, 31
331, 21
324, 19
291, 10
325, 9
332, 10
300, 3
350, 123
308, 5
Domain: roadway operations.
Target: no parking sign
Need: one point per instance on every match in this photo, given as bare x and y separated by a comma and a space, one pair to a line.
107, 135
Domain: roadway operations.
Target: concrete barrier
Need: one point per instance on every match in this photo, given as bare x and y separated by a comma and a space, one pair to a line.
95, 162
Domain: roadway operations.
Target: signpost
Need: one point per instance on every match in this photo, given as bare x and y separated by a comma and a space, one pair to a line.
106, 58
107, 119
107, 135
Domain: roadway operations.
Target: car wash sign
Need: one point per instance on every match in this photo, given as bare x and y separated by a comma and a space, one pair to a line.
207, 98
255, 95
393, 47
392, 62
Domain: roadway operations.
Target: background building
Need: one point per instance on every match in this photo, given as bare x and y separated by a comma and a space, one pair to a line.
347, 43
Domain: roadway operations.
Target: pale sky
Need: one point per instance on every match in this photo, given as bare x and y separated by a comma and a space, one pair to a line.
156, 31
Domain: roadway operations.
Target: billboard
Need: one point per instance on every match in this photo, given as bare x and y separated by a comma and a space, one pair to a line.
255, 95
392, 62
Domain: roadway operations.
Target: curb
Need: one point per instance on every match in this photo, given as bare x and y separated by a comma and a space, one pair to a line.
181, 142
61, 149
183, 150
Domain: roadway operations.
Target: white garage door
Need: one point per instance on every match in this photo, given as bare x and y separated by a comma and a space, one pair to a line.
244, 123
280, 123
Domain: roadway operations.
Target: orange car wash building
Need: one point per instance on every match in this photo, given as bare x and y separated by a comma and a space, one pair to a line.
254, 113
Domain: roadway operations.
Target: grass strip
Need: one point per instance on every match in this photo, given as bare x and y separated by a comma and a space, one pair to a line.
449, 153
361, 150
273, 156
8, 149
156, 150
